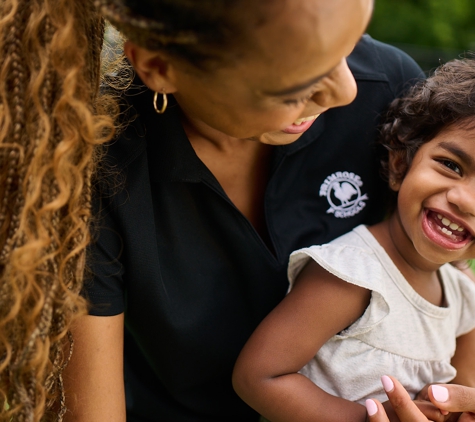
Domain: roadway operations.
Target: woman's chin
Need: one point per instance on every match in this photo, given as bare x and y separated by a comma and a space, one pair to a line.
278, 138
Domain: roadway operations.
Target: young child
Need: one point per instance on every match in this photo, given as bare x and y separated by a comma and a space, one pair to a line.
382, 299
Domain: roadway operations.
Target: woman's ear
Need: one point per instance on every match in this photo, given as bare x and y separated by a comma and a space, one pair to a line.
153, 67
397, 168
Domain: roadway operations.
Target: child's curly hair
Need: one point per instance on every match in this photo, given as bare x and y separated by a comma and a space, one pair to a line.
444, 99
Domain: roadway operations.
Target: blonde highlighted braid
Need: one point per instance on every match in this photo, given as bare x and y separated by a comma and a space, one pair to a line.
51, 123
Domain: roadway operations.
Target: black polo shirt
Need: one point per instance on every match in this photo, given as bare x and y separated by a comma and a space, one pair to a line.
188, 269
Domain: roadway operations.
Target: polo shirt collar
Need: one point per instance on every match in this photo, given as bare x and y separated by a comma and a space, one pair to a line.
307, 138
170, 154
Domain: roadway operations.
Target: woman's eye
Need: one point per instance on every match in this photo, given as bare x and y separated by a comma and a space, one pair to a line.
452, 166
298, 101
302, 100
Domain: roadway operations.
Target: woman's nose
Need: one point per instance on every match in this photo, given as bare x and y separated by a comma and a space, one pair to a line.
339, 88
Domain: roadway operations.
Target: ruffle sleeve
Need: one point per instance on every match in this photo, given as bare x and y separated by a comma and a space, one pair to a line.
355, 265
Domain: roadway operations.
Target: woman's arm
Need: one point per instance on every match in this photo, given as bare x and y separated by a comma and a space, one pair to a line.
265, 376
94, 380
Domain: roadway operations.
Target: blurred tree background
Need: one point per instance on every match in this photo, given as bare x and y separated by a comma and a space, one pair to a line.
431, 31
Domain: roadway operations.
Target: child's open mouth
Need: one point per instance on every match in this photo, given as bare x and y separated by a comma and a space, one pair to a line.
445, 232
451, 229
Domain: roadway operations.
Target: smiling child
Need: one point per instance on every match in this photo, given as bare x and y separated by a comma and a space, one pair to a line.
382, 299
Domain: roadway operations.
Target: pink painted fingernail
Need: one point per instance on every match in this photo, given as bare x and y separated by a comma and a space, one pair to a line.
441, 394
388, 384
371, 407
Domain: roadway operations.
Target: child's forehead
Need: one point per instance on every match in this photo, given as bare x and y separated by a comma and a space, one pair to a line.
456, 139
463, 127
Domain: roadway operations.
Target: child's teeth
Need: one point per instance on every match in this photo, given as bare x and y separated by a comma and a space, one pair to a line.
446, 222
444, 230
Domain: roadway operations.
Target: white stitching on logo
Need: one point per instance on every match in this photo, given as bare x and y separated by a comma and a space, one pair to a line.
343, 193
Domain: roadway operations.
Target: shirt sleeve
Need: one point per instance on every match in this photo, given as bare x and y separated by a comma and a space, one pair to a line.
353, 265
105, 282
103, 285
401, 69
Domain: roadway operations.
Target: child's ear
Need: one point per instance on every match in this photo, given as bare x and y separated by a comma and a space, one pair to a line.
397, 168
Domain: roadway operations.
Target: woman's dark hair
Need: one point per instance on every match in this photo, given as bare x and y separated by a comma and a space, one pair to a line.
199, 31
444, 99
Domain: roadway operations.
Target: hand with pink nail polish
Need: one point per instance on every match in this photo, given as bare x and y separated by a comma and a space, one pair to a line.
454, 398
447, 397
403, 407
400, 406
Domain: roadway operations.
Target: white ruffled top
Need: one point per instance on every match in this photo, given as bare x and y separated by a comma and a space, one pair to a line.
400, 333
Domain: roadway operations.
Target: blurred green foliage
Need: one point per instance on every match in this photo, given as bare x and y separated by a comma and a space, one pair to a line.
443, 29
436, 23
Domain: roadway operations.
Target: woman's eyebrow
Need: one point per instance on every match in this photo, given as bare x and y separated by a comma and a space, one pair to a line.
297, 88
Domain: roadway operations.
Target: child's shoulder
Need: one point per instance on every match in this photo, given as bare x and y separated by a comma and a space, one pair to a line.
454, 278
359, 237
350, 257
459, 290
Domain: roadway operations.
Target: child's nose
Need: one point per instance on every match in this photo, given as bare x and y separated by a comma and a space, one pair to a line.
463, 197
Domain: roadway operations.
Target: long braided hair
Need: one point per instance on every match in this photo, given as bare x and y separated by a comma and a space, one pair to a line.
51, 122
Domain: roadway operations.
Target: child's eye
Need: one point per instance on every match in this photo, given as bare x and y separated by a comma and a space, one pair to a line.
452, 166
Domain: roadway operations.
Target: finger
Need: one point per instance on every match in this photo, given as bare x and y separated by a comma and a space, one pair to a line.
401, 402
423, 394
432, 412
376, 411
453, 397
467, 417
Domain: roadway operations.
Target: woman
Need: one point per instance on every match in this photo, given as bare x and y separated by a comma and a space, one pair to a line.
216, 191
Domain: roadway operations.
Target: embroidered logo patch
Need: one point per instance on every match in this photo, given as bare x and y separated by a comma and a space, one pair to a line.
343, 192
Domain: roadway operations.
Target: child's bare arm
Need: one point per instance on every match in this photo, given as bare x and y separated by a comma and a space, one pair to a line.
265, 376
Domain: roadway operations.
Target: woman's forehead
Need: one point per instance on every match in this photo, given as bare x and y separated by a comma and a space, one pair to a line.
305, 39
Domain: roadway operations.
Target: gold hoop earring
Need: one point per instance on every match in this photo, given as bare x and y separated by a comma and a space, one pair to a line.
164, 104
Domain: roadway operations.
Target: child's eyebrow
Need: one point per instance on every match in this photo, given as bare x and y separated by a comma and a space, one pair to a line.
467, 158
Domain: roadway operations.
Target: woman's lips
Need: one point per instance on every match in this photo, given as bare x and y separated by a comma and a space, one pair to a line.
300, 125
